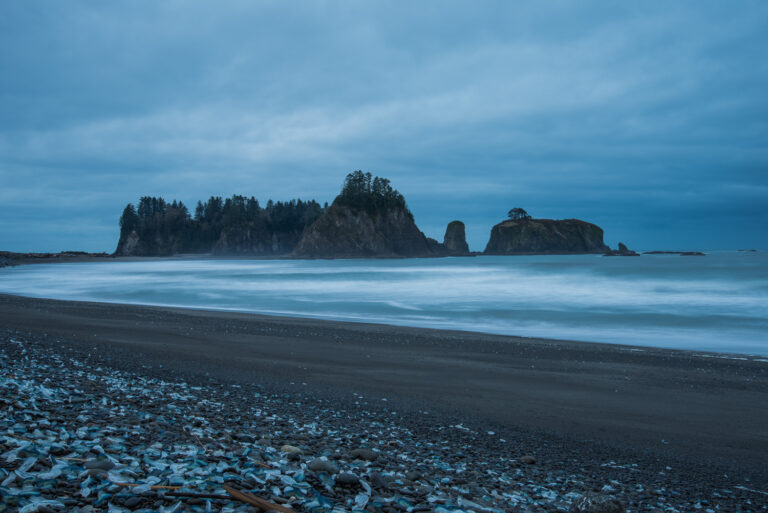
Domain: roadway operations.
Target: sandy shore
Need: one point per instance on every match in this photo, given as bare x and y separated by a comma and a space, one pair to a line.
571, 404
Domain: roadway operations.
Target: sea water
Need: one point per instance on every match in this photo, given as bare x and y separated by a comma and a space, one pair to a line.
717, 302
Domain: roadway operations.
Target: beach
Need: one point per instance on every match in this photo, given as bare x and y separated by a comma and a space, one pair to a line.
690, 422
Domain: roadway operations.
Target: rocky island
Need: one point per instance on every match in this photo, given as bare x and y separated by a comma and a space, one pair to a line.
521, 234
368, 219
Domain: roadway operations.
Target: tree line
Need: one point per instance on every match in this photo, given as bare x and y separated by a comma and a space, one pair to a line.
165, 228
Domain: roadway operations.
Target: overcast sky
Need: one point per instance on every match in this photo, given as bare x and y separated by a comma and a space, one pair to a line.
649, 119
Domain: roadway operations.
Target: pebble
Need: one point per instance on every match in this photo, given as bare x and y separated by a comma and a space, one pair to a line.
132, 502
320, 465
364, 454
290, 449
99, 465
347, 479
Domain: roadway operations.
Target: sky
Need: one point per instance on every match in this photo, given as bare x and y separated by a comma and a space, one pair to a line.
649, 119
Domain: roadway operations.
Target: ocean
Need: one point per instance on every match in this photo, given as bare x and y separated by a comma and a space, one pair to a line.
714, 303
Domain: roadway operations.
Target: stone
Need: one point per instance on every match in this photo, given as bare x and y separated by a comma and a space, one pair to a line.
527, 459
364, 454
132, 502
320, 465
379, 481
99, 465
413, 476
290, 449
347, 479
597, 503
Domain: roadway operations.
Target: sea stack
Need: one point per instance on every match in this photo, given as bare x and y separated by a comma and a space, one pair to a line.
455, 240
522, 234
622, 251
368, 219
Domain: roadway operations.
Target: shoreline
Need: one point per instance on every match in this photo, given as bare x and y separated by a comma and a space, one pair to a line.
297, 318
667, 407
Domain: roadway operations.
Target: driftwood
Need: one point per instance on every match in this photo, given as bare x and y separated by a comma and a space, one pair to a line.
198, 495
254, 500
152, 487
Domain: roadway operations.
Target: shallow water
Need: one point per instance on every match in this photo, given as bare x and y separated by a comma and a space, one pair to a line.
715, 303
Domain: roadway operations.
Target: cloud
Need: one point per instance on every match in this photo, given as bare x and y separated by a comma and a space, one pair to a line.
615, 113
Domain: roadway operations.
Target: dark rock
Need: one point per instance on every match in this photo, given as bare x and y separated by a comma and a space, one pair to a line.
413, 476
364, 454
99, 465
347, 479
455, 240
545, 236
597, 503
132, 502
318, 465
681, 253
378, 481
527, 459
622, 251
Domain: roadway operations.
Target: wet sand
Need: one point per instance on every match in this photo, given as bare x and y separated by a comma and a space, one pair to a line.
566, 400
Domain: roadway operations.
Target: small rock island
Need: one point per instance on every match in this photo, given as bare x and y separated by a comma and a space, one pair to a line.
521, 234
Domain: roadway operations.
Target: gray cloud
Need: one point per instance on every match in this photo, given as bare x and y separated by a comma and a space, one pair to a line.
650, 120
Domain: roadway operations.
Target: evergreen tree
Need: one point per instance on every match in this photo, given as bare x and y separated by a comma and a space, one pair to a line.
518, 214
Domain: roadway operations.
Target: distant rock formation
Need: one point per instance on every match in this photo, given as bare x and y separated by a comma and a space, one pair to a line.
455, 239
9, 258
622, 251
681, 253
537, 236
368, 219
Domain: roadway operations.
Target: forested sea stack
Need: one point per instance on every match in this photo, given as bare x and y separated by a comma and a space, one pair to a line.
368, 219
237, 225
521, 234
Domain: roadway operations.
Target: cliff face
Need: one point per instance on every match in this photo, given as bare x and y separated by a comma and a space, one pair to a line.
128, 244
133, 244
545, 236
254, 241
455, 240
347, 231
